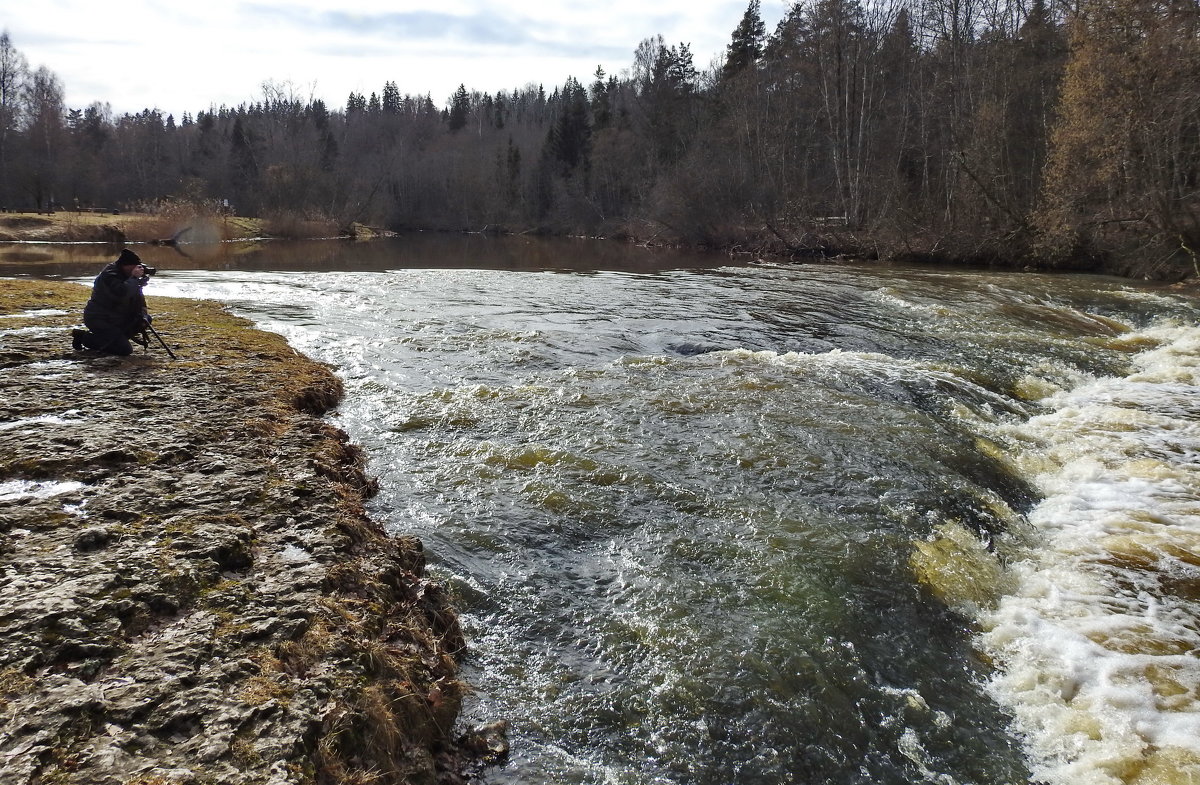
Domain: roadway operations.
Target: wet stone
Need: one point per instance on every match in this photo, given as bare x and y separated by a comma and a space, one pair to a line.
92, 539
174, 617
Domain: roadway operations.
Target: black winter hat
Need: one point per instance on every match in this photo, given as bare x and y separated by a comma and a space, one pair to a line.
128, 257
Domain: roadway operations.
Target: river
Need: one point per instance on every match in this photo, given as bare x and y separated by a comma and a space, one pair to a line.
710, 521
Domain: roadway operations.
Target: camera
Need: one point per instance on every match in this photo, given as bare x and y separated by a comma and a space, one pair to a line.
149, 270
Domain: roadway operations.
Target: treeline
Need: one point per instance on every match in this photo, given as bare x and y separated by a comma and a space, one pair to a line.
995, 131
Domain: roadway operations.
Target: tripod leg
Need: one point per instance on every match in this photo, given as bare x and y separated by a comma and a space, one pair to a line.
170, 353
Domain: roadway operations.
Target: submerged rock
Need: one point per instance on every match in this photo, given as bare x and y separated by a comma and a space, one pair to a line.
190, 589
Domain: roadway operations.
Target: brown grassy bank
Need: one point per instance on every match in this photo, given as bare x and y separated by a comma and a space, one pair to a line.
190, 588
173, 224
831, 241
125, 227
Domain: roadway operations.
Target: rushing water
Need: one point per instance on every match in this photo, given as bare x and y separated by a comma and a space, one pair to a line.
781, 524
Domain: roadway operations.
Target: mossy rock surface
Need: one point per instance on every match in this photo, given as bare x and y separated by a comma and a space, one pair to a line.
190, 589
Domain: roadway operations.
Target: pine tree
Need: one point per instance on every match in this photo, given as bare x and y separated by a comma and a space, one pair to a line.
746, 48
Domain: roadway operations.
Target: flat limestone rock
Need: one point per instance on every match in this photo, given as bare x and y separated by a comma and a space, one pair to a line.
190, 589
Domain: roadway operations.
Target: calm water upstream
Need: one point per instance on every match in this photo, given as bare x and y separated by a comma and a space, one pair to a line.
778, 524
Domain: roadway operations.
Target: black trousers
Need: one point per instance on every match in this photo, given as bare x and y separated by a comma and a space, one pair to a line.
106, 338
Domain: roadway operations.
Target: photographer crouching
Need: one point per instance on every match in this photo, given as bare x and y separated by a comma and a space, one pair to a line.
116, 310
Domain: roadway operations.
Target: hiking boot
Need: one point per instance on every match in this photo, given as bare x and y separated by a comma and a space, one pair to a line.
77, 340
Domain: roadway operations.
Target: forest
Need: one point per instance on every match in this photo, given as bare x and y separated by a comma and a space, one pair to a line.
1052, 134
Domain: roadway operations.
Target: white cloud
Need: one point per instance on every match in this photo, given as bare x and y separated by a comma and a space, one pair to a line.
136, 54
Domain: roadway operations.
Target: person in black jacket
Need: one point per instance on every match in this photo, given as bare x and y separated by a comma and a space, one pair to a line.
116, 310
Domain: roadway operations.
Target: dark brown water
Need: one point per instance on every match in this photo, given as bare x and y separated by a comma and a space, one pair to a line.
423, 250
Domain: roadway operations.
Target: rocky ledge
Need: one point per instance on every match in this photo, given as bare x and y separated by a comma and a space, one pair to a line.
190, 589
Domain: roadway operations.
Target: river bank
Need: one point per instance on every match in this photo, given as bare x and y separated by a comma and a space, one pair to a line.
190, 589
181, 232
181, 225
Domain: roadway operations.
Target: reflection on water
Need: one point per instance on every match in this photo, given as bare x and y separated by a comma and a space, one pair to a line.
426, 250
774, 524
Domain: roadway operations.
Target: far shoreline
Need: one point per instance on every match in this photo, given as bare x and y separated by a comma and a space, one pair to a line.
183, 226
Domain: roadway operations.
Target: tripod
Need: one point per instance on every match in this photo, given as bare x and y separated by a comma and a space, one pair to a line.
146, 332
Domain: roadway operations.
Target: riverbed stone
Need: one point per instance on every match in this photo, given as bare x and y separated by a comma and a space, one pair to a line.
92, 538
190, 588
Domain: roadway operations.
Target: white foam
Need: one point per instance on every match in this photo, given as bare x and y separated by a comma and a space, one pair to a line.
23, 489
66, 418
1097, 647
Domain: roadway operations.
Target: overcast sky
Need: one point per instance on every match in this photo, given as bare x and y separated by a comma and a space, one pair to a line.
187, 56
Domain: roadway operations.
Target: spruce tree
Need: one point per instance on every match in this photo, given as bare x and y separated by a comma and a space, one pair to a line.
391, 98
601, 103
570, 137
460, 108
356, 104
500, 110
